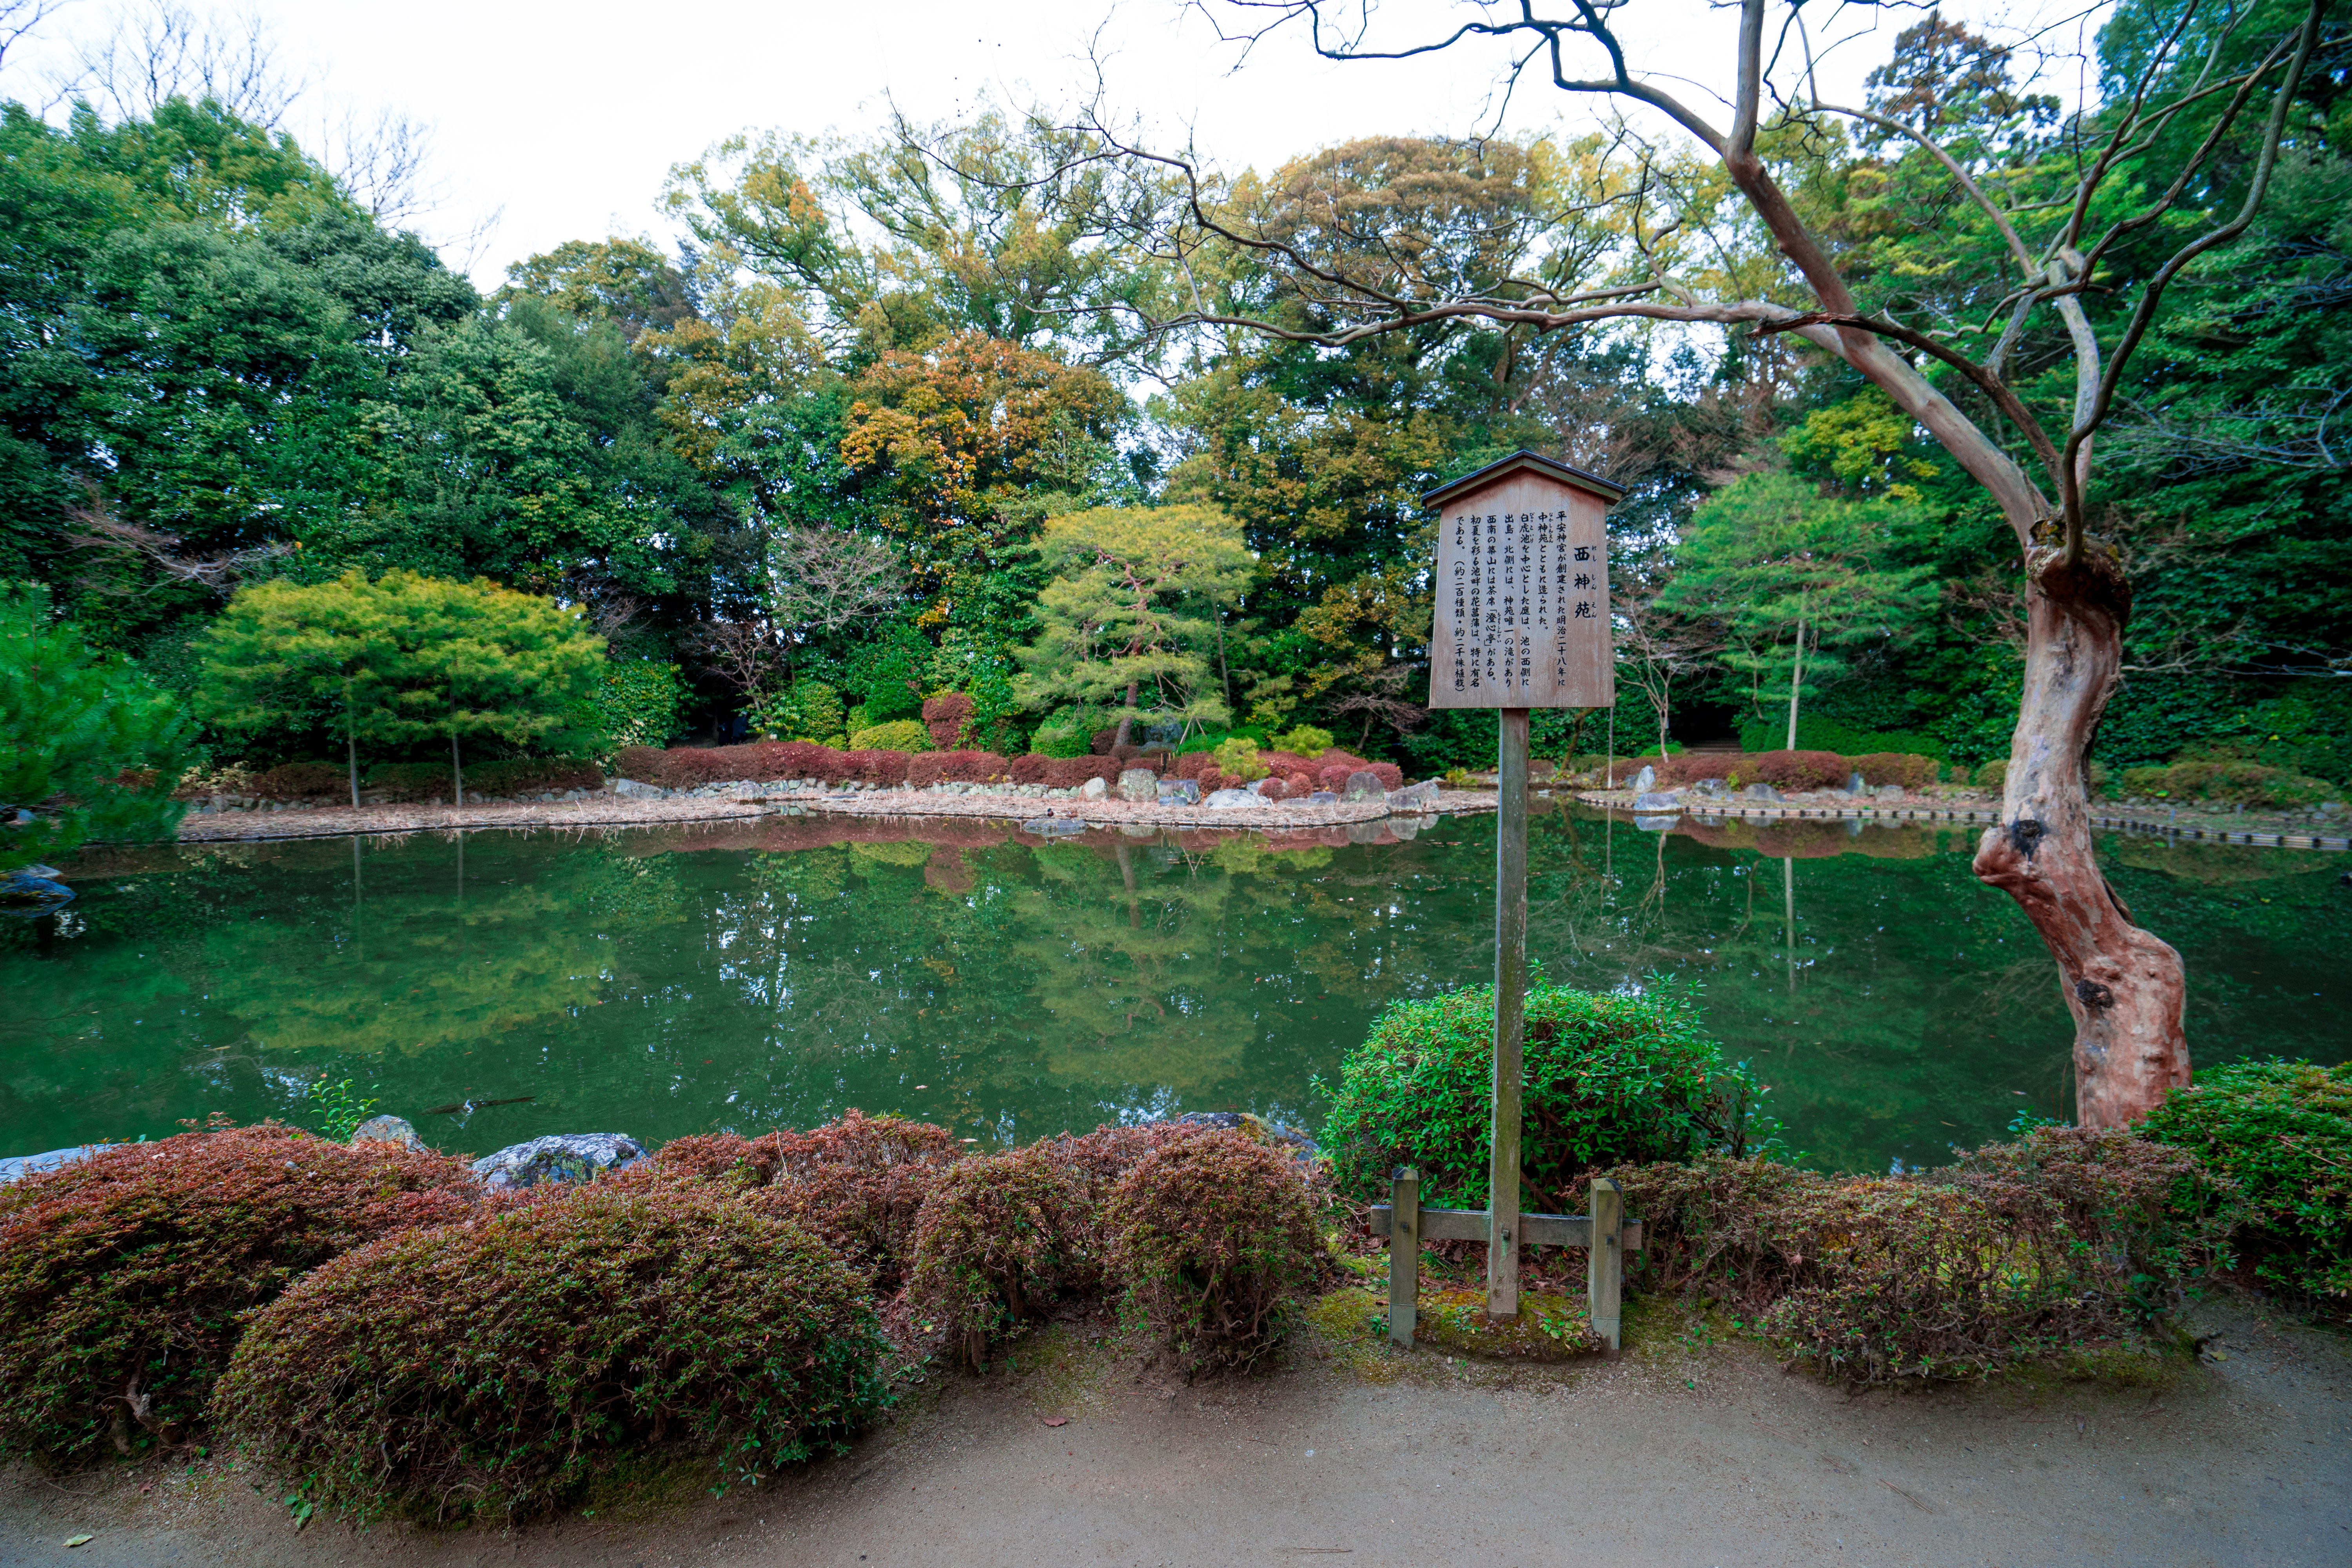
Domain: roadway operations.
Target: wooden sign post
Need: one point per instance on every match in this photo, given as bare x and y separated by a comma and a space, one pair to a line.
1522, 622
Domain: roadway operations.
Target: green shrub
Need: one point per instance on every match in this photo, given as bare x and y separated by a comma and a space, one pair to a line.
1213, 1239
636, 703
2222, 779
122, 1276
1305, 740
2017, 1252
491, 1369
998, 1239
1991, 777
1237, 759
2282, 1132
805, 711
897, 735
1609, 1077
1064, 735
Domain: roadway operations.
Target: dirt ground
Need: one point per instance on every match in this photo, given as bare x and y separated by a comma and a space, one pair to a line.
1686, 1451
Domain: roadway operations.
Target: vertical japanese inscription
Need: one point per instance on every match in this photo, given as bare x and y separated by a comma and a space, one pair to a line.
1522, 605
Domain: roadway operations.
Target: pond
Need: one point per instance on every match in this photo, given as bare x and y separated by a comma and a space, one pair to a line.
747, 975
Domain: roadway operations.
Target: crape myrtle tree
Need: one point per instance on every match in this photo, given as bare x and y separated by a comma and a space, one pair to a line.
2077, 234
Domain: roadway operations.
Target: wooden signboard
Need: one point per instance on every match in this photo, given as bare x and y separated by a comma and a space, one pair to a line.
1522, 622
1522, 588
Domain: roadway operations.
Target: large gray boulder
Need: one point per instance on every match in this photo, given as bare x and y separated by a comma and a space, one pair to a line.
1664, 800
1093, 789
1760, 792
630, 789
17, 1166
560, 1157
1365, 785
1179, 792
1228, 799
1141, 785
387, 1129
1645, 781
1419, 797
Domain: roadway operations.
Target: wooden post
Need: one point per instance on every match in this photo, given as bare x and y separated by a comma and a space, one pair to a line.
1604, 1275
1510, 1000
1404, 1253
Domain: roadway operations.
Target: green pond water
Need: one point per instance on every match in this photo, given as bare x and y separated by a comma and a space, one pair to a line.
680, 980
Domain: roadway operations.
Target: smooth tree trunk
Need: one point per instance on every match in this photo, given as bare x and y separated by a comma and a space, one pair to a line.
457, 772
1796, 680
2124, 986
351, 735
1126, 720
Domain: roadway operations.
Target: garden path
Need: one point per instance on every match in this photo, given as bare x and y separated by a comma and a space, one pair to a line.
1676, 1454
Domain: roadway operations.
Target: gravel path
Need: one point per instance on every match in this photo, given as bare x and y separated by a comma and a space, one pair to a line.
1678, 1455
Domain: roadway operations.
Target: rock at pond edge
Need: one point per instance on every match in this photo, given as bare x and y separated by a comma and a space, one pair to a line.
387, 1129
559, 1157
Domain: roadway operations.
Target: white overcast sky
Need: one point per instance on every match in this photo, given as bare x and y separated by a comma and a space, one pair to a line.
563, 120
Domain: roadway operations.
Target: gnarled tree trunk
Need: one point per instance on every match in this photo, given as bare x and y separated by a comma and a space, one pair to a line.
2124, 985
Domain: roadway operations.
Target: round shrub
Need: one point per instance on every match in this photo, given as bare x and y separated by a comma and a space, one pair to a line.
997, 1239
1306, 742
2281, 1132
1213, 1239
897, 735
1237, 758
122, 1276
491, 1368
1610, 1078
948, 717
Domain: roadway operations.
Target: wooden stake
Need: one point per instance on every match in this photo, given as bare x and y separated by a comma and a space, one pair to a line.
1511, 996
1604, 1272
1404, 1253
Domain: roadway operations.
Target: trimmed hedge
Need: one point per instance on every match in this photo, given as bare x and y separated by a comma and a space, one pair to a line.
2250, 783
1611, 1078
2022, 1249
522, 775
122, 1276
948, 718
1783, 770
2282, 1130
492, 1368
1213, 1239
999, 1239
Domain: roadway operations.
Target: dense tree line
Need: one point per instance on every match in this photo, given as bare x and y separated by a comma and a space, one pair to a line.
885, 420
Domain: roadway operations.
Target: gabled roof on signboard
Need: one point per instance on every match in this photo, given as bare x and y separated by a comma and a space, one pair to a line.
1534, 462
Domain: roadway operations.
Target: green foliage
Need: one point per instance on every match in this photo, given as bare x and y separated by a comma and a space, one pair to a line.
897, 735
1131, 609
1610, 1078
1304, 740
337, 1110
1819, 732
804, 710
1237, 758
1067, 734
407, 658
492, 1370
2250, 783
123, 1276
2282, 1132
1213, 1239
89, 747
636, 703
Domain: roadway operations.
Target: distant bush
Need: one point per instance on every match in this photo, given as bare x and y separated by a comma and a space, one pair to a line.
122, 1276
491, 1369
1611, 1078
1909, 769
948, 717
300, 781
2281, 1132
998, 1239
1064, 735
1305, 741
1237, 758
1991, 777
521, 776
636, 702
1193, 764
1800, 769
1212, 1240
2250, 783
2017, 1251
897, 735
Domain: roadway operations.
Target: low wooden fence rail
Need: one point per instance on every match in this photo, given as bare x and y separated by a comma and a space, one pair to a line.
1407, 1225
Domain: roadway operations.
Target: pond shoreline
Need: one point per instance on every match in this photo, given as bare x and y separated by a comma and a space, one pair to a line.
1919, 809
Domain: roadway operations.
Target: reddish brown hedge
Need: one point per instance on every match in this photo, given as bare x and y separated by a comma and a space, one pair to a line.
999, 1238
121, 1276
927, 768
301, 781
492, 1368
948, 719
1908, 769
1213, 1239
